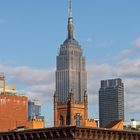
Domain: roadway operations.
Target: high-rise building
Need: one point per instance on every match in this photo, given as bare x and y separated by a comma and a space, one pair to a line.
34, 110
70, 98
71, 72
111, 101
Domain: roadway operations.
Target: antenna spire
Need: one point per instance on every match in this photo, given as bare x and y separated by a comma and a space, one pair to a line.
70, 8
70, 22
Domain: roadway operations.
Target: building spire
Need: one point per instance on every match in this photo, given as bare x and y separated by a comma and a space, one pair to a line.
70, 8
70, 22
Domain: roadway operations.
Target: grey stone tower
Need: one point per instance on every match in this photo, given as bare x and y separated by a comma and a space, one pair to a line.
111, 101
71, 68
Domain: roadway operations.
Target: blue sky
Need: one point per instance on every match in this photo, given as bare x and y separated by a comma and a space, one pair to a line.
109, 32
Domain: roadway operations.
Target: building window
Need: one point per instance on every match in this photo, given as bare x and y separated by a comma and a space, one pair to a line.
68, 120
61, 120
77, 119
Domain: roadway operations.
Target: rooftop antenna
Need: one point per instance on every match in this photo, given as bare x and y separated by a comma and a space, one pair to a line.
70, 22
70, 8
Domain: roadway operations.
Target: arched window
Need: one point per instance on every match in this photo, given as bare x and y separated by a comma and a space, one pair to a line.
77, 119
61, 120
68, 120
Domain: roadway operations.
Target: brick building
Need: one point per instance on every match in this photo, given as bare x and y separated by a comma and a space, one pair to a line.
13, 112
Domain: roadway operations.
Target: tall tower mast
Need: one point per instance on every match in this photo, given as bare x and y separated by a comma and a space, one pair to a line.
70, 8
70, 22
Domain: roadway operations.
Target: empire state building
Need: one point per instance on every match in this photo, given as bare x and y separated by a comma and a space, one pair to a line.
71, 75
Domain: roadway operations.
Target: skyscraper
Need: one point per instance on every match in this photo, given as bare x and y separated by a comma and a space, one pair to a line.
71, 72
111, 101
70, 98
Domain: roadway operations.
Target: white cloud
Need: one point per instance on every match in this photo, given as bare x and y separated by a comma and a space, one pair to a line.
132, 104
128, 71
95, 74
132, 95
125, 53
28, 76
36, 83
137, 43
89, 40
42, 92
40, 83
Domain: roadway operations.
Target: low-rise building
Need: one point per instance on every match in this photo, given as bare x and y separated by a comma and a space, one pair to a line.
35, 124
13, 111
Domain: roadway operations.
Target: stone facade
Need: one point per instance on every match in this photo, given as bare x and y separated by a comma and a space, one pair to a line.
72, 113
71, 67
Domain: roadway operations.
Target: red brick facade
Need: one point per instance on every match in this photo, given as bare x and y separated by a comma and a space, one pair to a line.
13, 112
